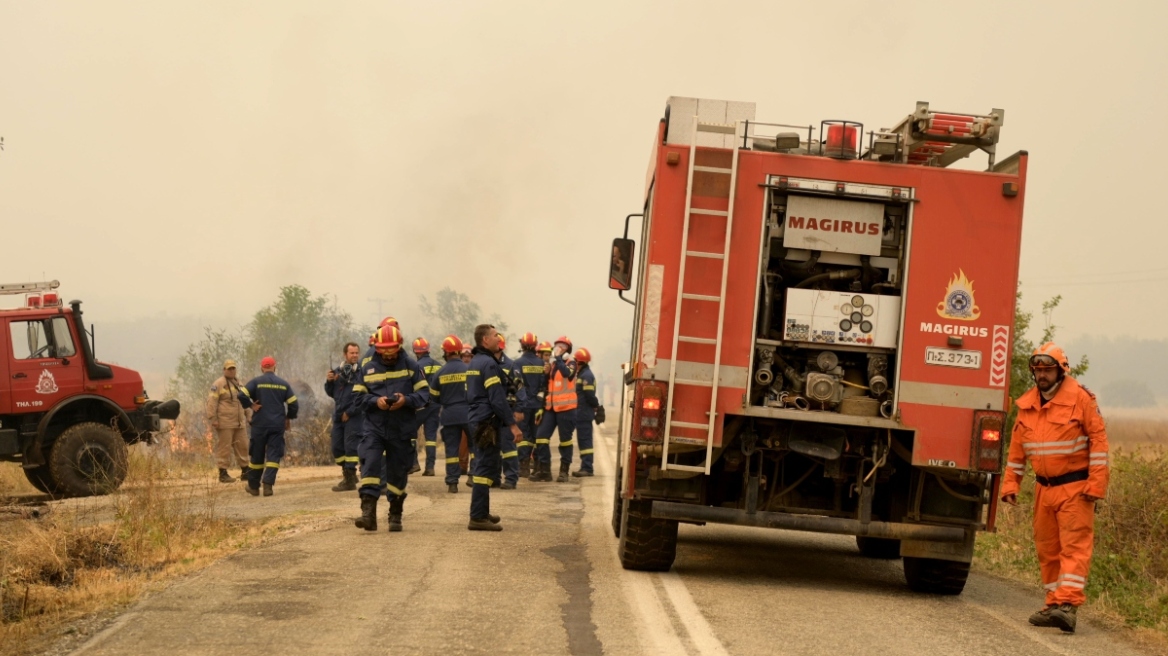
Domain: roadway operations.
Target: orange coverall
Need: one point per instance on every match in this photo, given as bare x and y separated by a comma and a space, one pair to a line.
1065, 436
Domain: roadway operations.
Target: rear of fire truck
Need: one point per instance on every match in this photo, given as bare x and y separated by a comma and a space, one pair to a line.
821, 335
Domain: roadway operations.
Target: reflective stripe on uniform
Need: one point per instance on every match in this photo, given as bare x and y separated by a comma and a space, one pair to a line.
360, 388
420, 384
340, 459
540, 440
482, 480
451, 461
568, 443
524, 443
395, 491
377, 378
434, 392
452, 378
429, 443
510, 454
273, 465
493, 380
352, 459
585, 452
370, 480
291, 399
252, 465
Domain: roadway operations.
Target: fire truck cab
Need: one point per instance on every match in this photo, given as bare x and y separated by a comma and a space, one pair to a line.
821, 335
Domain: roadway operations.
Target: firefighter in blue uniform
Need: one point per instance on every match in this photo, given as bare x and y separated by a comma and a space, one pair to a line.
489, 416
516, 396
348, 420
531, 368
588, 409
392, 390
559, 413
448, 390
429, 416
370, 354
267, 395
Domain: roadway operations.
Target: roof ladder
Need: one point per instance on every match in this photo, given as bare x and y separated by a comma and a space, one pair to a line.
735, 130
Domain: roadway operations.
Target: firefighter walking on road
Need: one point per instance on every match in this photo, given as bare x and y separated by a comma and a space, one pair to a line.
228, 421
489, 415
588, 409
392, 390
429, 416
273, 408
559, 413
448, 391
1060, 432
531, 368
348, 419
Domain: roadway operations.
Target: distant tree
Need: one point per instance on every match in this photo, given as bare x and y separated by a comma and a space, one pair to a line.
197, 369
453, 313
1020, 379
1128, 394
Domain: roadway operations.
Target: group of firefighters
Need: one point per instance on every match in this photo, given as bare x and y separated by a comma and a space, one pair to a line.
496, 417
504, 412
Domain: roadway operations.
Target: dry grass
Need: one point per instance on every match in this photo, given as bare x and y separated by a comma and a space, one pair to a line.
1129, 573
1137, 431
90, 554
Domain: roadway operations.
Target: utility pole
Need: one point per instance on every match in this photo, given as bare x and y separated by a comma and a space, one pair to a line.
380, 303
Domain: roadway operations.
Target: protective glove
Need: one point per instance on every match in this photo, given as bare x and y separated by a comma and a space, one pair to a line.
599, 415
538, 416
567, 357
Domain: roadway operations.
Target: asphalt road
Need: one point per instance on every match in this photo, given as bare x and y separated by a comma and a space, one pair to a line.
550, 583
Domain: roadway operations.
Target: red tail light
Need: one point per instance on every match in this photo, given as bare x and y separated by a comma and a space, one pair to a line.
987, 440
648, 414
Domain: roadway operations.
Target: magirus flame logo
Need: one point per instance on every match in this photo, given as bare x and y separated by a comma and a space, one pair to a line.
959, 303
46, 384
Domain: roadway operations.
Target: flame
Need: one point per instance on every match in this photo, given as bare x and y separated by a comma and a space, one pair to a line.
959, 303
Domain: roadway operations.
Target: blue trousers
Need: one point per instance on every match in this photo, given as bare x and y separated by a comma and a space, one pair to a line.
527, 426
509, 453
565, 421
346, 438
385, 451
266, 449
484, 468
451, 438
584, 438
430, 431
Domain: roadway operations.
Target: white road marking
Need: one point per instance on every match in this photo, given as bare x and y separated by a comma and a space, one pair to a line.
643, 595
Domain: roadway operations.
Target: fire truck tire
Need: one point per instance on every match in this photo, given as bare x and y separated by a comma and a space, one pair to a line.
88, 459
933, 576
646, 544
41, 479
878, 547
617, 506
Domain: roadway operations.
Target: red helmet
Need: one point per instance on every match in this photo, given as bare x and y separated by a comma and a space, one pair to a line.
388, 321
502, 342
451, 344
421, 345
583, 356
387, 339
1049, 355
544, 347
528, 340
466, 347
564, 339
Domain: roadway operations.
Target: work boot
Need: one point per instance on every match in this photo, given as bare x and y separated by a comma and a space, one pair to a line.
494, 519
368, 520
582, 473
224, 477
348, 482
428, 472
524, 468
1064, 617
484, 525
267, 490
507, 486
395, 513
563, 477
470, 481
243, 475
1042, 617
542, 473
254, 491
415, 468
452, 488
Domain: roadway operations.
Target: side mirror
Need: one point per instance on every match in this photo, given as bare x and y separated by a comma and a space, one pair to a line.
620, 270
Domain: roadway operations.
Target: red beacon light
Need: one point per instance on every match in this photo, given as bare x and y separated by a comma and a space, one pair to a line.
841, 139
34, 302
51, 299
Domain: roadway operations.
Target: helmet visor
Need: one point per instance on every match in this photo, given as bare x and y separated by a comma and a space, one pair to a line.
1040, 361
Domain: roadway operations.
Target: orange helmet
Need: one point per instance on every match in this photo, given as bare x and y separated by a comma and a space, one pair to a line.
388, 321
466, 347
387, 339
583, 356
1049, 355
544, 347
421, 345
528, 340
564, 339
451, 344
502, 342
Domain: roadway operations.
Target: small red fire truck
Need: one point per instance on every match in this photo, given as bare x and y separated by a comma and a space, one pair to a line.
821, 336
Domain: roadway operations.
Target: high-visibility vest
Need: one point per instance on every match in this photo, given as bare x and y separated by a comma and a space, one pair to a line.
561, 393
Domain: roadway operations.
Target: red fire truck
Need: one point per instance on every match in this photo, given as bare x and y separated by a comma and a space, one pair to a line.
822, 333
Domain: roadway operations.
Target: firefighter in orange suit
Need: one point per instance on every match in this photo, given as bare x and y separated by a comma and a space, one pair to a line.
1060, 432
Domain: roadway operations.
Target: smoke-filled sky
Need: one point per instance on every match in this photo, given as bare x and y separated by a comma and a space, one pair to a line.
189, 158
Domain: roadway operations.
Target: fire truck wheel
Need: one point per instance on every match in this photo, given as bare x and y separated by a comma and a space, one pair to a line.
646, 544
42, 479
617, 506
878, 547
88, 459
933, 576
